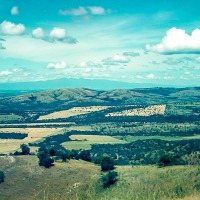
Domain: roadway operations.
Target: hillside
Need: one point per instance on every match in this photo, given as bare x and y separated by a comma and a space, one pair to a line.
67, 98
80, 180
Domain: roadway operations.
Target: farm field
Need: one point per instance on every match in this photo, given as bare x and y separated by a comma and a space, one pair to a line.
72, 112
148, 111
34, 134
85, 141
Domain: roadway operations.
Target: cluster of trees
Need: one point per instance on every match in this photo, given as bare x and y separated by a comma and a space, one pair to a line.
48, 154
148, 151
18, 136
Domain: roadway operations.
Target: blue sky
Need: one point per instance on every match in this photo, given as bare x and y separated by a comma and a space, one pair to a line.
133, 41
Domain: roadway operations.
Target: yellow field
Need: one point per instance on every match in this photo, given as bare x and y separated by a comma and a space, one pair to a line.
72, 112
148, 111
85, 141
34, 134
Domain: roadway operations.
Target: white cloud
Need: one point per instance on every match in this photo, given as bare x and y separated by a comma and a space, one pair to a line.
74, 12
87, 70
5, 73
117, 59
14, 10
38, 33
131, 54
121, 59
139, 77
58, 33
151, 76
177, 41
90, 64
59, 65
9, 28
55, 35
96, 10
92, 10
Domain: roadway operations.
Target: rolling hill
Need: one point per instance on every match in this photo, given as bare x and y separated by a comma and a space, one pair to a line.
67, 98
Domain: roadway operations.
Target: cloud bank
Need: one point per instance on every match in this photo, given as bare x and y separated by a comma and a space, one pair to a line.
55, 35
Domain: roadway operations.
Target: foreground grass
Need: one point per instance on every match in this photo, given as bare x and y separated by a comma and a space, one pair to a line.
79, 180
152, 183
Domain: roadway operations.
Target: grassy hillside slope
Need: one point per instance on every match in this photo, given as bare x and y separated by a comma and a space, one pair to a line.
80, 180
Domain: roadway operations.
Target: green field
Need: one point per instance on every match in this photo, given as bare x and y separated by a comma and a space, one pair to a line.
168, 138
85, 141
11, 117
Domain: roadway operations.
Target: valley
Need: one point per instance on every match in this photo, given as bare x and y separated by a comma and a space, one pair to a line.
133, 127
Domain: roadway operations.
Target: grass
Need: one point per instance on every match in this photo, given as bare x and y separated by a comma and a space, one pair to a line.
26, 180
151, 183
34, 134
88, 140
79, 180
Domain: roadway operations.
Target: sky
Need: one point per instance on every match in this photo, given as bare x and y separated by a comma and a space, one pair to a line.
130, 41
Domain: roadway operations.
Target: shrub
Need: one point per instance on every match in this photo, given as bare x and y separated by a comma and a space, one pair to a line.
2, 177
109, 178
164, 160
107, 164
44, 157
25, 149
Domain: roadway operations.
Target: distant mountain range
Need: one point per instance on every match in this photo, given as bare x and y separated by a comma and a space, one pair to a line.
75, 83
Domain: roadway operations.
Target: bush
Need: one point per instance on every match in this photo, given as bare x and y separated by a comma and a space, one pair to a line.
2, 177
164, 160
107, 164
25, 149
109, 178
44, 157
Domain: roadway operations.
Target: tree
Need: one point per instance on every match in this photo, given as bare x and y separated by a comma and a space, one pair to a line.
63, 154
85, 155
44, 157
2, 177
107, 164
25, 149
109, 178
